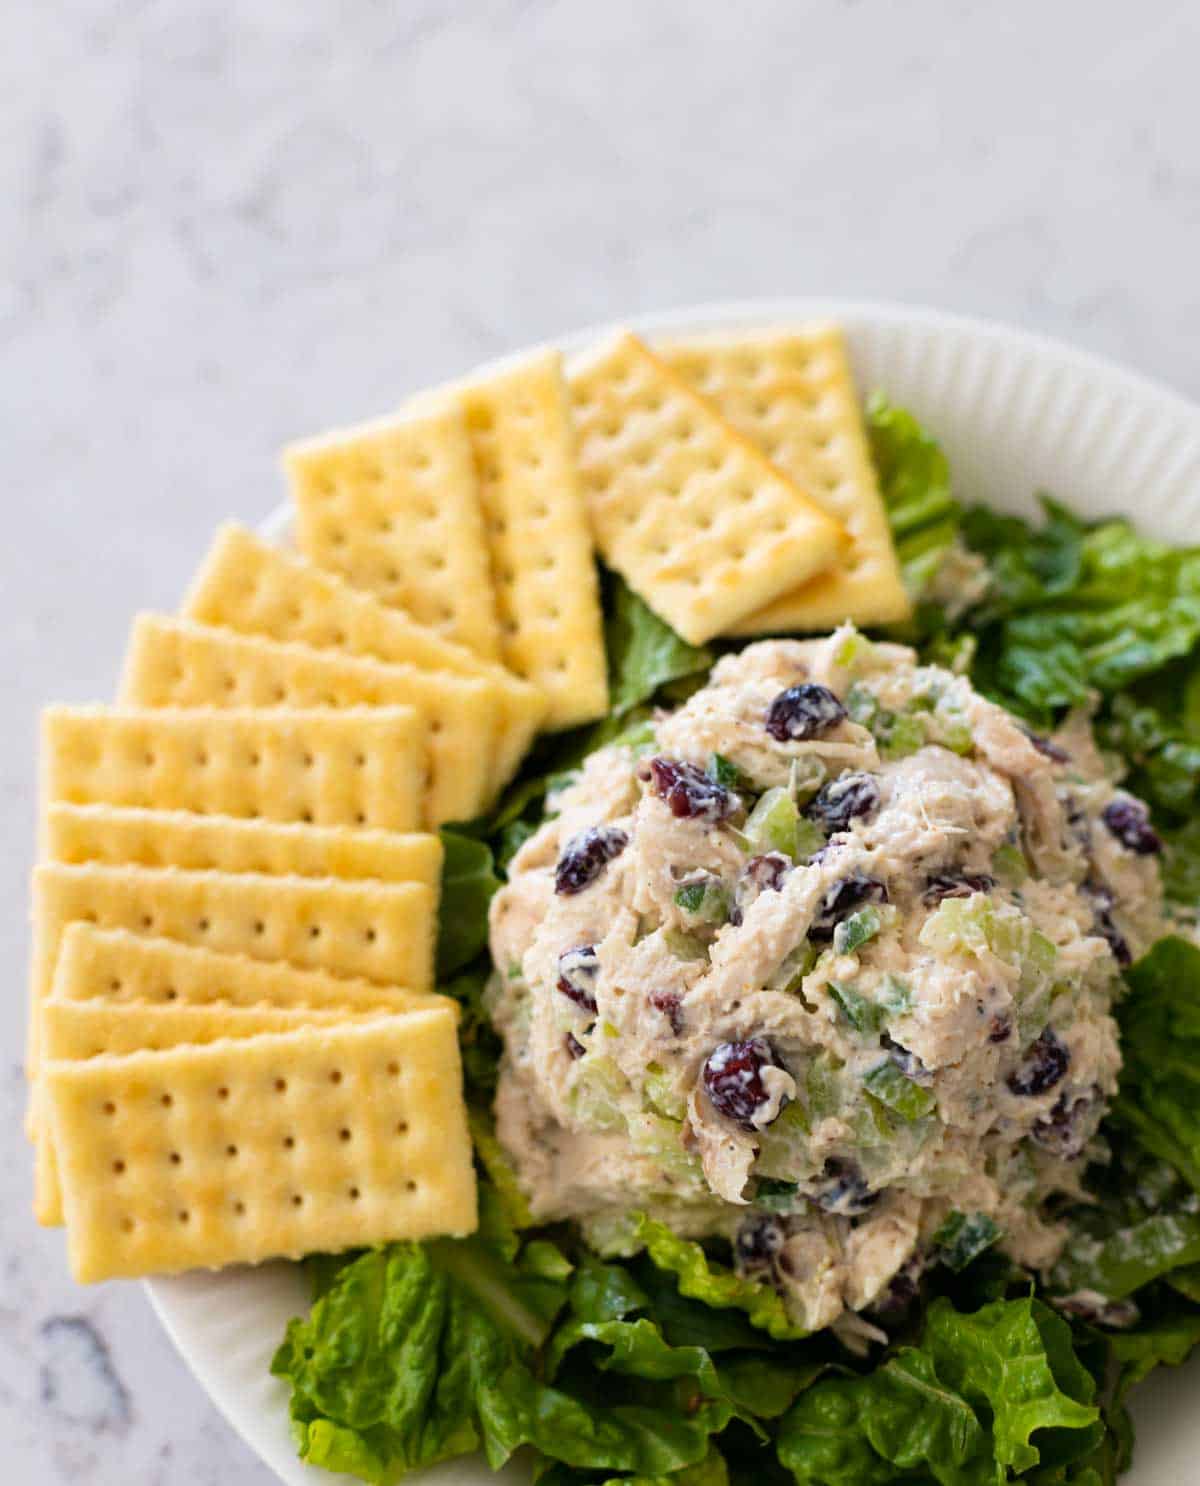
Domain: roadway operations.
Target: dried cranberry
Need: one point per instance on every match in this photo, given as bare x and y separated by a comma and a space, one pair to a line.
805, 711
577, 971
841, 900
1129, 821
585, 856
757, 1243
689, 791
733, 1078
903, 1288
942, 885
768, 871
1105, 925
908, 1062
836, 804
1000, 1029
671, 1007
1046, 1061
845, 1191
1066, 1130
574, 1046
1047, 747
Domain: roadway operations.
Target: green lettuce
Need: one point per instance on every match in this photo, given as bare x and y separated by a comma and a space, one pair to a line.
468, 883
702, 1278
983, 1393
644, 653
1159, 1097
914, 480
421, 1352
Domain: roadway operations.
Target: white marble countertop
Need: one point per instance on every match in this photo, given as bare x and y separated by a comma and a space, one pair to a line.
226, 225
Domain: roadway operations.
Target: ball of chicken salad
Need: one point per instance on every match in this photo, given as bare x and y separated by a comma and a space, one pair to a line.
821, 962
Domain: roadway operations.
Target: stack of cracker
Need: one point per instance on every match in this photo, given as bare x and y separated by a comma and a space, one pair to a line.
236, 1051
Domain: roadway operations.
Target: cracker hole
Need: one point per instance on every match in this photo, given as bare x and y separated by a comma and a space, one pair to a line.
239, 1208
297, 1200
314, 931
335, 1076
148, 760
118, 1167
353, 1194
229, 681
203, 925
393, 1068
281, 1085
343, 1134
308, 760
114, 985
289, 1142
359, 818
184, 1215
306, 816
231, 1151
223, 1092
402, 1128
126, 1225
259, 927
410, 1185
175, 1158
370, 935
170, 994
146, 920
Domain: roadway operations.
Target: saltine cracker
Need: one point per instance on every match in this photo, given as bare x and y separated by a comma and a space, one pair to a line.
690, 512
792, 392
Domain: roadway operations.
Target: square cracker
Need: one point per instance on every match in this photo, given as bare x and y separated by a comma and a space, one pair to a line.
320, 1139
175, 663
119, 970
793, 393
362, 767
543, 566
375, 931
78, 1030
256, 589
223, 843
393, 507
691, 513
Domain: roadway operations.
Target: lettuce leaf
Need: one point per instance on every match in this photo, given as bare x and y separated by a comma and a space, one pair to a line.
914, 480
420, 1352
983, 1393
644, 652
702, 1278
1159, 1096
468, 884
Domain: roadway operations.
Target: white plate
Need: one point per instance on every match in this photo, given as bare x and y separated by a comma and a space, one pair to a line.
1016, 413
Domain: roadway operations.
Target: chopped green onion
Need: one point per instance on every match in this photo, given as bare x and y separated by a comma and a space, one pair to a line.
963, 1237
725, 772
863, 1015
853, 932
774, 824
775, 1195
1009, 864
894, 994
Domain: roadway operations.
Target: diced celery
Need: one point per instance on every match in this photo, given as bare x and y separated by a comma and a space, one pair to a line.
872, 1122
863, 1015
901, 1095
853, 650
809, 839
685, 946
597, 1094
773, 824
661, 1094
894, 994
1009, 864
806, 775
959, 923
955, 734
821, 1087
853, 932
903, 736
795, 966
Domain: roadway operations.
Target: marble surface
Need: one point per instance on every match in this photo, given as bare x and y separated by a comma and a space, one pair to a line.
223, 225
